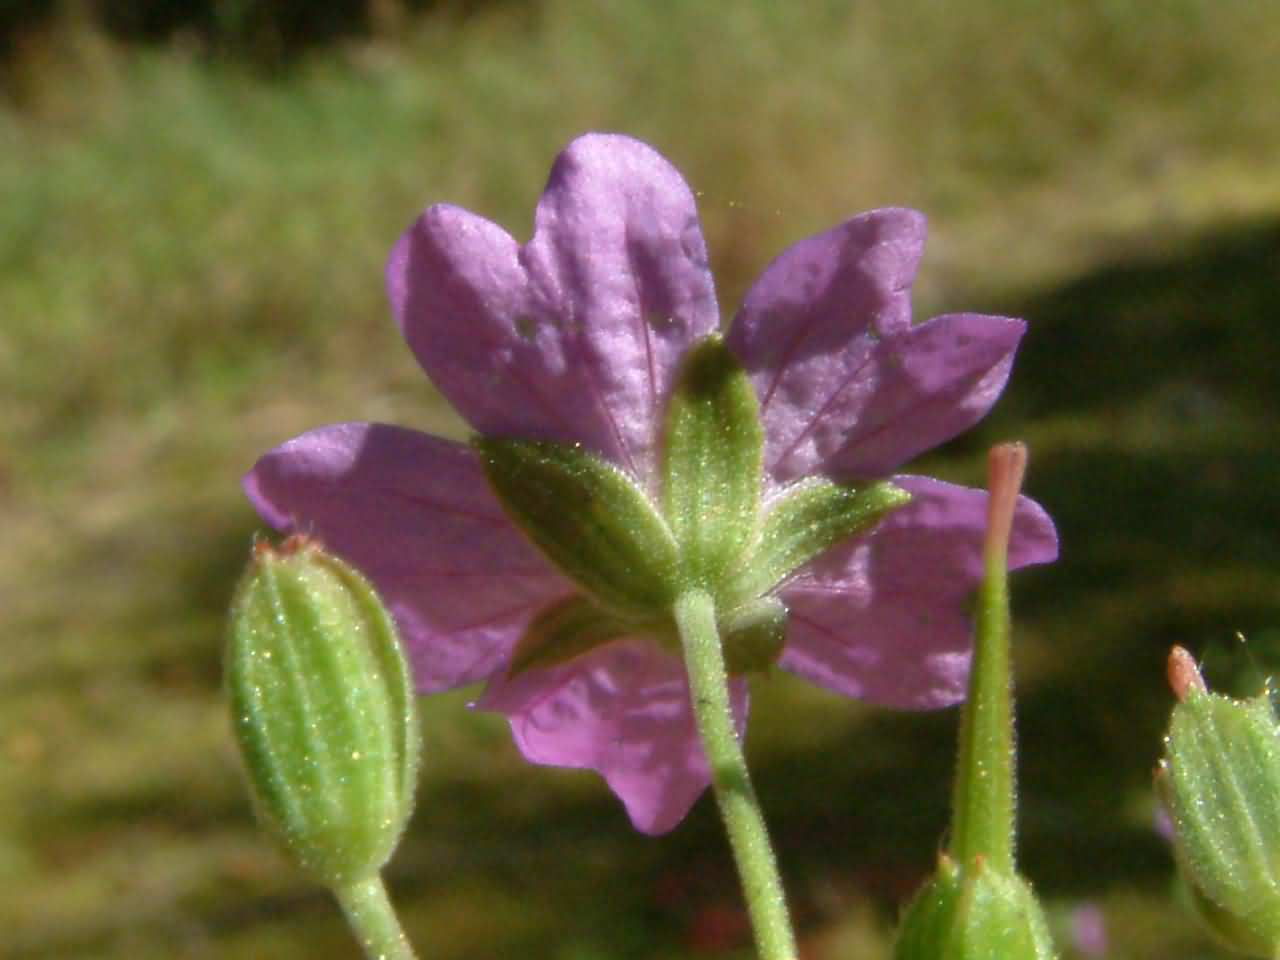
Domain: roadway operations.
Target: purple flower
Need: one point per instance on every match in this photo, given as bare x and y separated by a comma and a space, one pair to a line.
576, 337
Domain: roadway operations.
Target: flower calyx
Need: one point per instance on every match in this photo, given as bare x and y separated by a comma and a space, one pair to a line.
713, 529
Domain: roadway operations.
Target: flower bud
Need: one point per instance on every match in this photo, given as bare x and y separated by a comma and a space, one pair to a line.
974, 912
323, 710
1220, 782
977, 907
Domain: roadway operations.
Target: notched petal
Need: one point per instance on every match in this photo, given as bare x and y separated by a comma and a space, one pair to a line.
575, 336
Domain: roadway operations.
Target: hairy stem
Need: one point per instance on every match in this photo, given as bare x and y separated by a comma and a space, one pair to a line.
709, 684
373, 920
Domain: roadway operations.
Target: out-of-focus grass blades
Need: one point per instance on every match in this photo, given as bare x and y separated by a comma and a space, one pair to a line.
190, 272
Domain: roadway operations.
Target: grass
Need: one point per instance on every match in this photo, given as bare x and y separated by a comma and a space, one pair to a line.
190, 272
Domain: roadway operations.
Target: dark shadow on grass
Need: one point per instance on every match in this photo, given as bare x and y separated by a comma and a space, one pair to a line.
1202, 321
1172, 538
1169, 519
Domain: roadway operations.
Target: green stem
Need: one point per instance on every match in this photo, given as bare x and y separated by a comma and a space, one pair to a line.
709, 684
983, 823
373, 920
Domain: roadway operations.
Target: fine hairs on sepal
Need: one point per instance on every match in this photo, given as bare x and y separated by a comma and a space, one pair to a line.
974, 912
1219, 781
323, 710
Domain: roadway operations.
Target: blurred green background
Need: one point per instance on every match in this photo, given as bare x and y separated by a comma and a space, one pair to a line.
195, 203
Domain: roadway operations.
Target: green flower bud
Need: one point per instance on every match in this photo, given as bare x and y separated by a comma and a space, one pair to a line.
977, 907
323, 709
1220, 782
973, 913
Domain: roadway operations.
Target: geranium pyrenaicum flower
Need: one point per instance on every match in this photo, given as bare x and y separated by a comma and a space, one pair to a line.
567, 356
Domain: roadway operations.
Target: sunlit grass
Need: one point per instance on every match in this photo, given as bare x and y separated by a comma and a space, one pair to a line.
190, 272
196, 230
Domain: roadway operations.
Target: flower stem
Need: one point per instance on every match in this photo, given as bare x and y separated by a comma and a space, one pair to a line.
709, 684
984, 793
373, 919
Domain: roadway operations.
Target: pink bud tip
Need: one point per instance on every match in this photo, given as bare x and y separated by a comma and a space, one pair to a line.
1183, 673
1006, 466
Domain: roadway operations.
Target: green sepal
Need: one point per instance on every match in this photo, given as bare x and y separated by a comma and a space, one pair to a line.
807, 519
973, 913
565, 630
754, 635
1220, 781
323, 710
1231, 931
589, 518
714, 457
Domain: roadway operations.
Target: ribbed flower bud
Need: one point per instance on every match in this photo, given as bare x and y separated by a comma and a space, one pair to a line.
1220, 782
974, 913
323, 710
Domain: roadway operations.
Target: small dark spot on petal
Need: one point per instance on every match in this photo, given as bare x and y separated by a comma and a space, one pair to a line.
526, 327
662, 322
692, 243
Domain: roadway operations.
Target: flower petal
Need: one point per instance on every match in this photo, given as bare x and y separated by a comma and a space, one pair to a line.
919, 388
809, 322
885, 617
847, 385
415, 514
576, 336
623, 711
